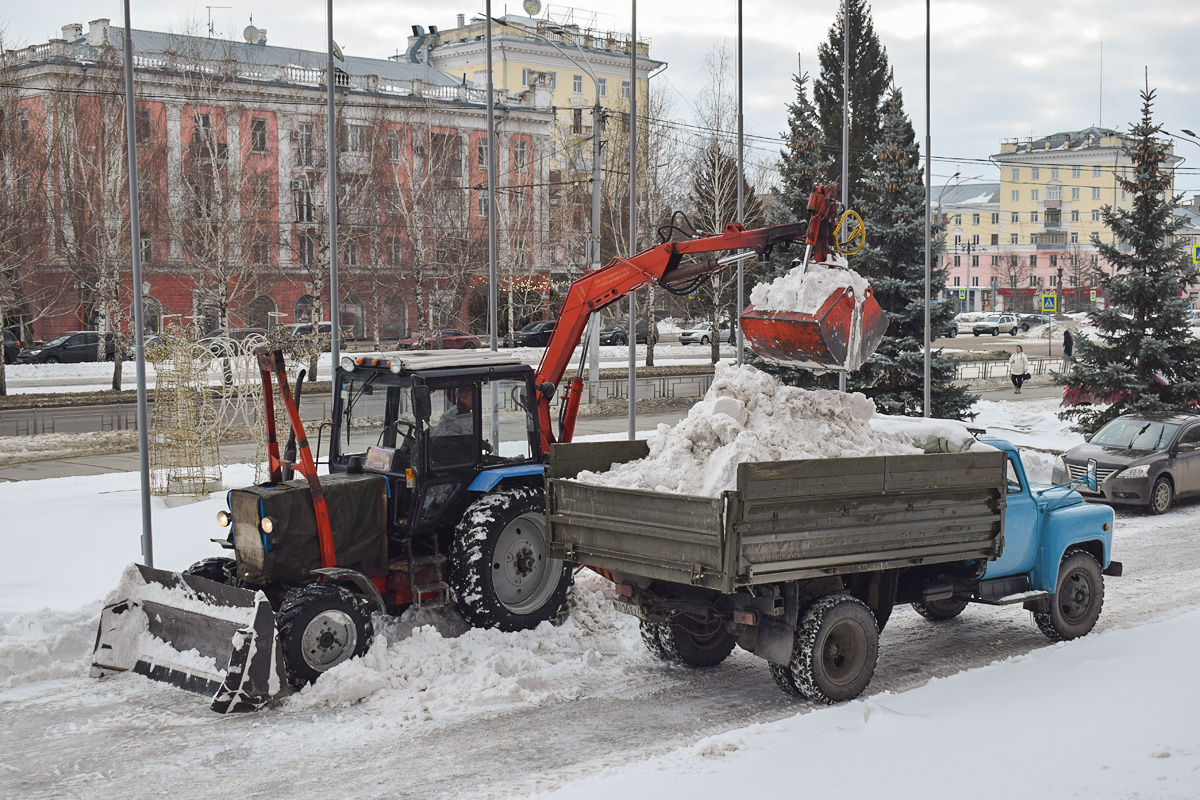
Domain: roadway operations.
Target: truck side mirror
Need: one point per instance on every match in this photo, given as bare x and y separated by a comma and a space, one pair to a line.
1091, 475
422, 404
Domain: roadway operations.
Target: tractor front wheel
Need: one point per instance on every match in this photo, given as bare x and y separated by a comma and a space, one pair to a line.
320, 626
501, 573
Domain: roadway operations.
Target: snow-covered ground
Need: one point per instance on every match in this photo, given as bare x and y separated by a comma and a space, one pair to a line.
981, 704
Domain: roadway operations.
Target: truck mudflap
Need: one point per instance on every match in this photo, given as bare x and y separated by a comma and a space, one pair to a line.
194, 633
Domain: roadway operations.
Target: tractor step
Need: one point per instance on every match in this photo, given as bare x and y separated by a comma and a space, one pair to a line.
439, 590
436, 559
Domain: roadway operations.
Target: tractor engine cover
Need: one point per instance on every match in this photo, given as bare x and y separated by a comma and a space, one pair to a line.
357, 514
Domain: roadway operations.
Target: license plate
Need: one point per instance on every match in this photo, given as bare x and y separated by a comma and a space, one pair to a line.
632, 609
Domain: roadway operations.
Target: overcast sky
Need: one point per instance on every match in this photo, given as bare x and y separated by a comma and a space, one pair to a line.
1000, 70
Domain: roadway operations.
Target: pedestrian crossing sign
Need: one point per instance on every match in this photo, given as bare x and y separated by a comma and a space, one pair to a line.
1093, 295
1196, 254
962, 294
1048, 303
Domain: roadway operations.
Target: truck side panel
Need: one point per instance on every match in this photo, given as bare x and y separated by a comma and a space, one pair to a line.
1081, 524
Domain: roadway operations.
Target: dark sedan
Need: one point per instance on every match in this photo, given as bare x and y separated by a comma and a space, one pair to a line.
450, 340
1147, 460
69, 348
619, 334
535, 334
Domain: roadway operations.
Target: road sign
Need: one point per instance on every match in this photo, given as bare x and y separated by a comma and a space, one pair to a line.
1093, 295
962, 294
1196, 254
1049, 304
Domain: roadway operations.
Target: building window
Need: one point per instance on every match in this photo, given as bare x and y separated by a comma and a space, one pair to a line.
1074, 192
625, 93
974, 219
1016, 217
995, 261
995, 239
958, 219
975, 263
975, 278
302, 198
603, 86
1074, 216
1033, 216
995, 217
393, 145
525, 77
1016, 174
308, 250
1053, 278
1096, 172
577, 120
1033, 238
1012, 238
1053, 192
1053, 217
577, 84
481, 153
395, 253
483, 206
147, 248
956, 280
350, 254
445, 153
1095, 215
958, 261
142, 125
1075, 171
520, 155
957, 239
1034, 195
258, 135
1033, 279
355, 138
1035, 173
1012, 262
975, 238
1053, 261
1074, 237
1054, 173
304, 144
1094, 260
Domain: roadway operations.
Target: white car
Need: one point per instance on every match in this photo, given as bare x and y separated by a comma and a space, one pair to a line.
997, 324
703, 334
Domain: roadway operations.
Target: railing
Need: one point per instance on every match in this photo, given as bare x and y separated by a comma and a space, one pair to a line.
998, 368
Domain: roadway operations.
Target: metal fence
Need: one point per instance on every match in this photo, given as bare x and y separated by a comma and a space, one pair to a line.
998, 368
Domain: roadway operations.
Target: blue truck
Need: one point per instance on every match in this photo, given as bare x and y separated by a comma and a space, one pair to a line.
803, 562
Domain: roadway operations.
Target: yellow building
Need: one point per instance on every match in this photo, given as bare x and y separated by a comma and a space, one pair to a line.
1007, 243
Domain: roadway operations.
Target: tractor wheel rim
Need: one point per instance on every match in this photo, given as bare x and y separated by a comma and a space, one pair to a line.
523, 576
844, 652
329, 639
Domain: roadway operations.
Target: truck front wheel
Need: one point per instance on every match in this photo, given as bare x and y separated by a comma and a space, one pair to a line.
500, 572
835, 651
1077, 600
940, 610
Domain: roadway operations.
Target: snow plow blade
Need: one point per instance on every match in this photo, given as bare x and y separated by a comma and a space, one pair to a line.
194, 633
840, 337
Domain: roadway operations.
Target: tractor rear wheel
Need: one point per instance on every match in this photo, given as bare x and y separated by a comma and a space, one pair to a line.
320, 626
501, 573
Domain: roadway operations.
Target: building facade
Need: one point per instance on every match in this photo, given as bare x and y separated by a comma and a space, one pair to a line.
1008, 243
234, 177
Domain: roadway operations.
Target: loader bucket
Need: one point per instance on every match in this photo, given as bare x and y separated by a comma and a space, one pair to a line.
840, 337
195, 633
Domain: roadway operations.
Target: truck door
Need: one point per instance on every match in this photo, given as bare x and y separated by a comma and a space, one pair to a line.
1020, 526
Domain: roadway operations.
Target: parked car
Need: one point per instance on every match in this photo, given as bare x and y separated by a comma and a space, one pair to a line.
535, 334
325, 328
1141, 459
619, 334
996, 324
69, 348
950, 329
1031, 320
702, 334
12, 347
451, 340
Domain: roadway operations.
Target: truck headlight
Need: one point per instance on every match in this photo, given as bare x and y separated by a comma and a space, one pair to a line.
1140, 471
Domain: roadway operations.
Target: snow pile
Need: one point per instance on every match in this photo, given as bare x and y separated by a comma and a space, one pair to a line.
747, 415
15, 449
805, 291
46, 644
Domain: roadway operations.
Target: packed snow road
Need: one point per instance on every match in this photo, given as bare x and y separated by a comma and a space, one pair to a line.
479, 714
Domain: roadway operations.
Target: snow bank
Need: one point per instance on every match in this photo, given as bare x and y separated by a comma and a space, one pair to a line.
805, 291
747, 415
42, 645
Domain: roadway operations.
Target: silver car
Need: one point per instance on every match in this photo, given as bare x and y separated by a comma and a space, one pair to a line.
1141, 459
702, 334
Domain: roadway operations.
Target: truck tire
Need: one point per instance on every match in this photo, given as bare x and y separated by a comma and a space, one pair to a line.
1077, 599
218, 568
835, 652
320, 626
695, 644
940, 610
500, 572
652, 633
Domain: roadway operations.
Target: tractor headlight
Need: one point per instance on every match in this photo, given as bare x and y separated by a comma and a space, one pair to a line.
267, 525
223, 519
1140, 471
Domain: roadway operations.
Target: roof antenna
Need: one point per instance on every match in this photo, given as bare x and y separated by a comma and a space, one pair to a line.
210, 19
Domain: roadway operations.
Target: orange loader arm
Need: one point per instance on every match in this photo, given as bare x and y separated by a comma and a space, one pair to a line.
609, 284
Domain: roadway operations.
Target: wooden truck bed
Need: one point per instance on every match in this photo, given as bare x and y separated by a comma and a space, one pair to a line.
786, 520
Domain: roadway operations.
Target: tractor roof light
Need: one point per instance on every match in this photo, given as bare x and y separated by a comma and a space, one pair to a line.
347, 364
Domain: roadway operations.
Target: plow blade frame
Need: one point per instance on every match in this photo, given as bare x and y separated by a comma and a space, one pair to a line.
194, 633
840, 337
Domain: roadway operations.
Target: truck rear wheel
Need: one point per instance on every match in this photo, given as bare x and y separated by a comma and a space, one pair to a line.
500, 571
835, 652
940, 610
696, 644
652, 637
1077, 600
320, 626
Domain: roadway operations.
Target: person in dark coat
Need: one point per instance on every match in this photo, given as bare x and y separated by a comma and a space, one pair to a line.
1068, 344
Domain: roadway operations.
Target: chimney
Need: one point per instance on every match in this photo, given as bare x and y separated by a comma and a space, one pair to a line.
462, 20
97, 32
72, 32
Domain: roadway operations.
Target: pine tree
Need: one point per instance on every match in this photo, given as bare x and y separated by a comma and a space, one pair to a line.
893, 261
1142, 352
869, 78
802, 161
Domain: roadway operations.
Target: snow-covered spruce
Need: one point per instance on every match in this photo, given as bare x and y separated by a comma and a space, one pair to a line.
501, 574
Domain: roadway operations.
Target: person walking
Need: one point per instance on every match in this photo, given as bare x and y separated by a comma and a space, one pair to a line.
1068, 344
1018, 369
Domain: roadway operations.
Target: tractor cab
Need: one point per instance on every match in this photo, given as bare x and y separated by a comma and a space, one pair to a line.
435, 425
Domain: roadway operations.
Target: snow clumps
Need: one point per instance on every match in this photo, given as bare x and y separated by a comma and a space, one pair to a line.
749, 416
805, 291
